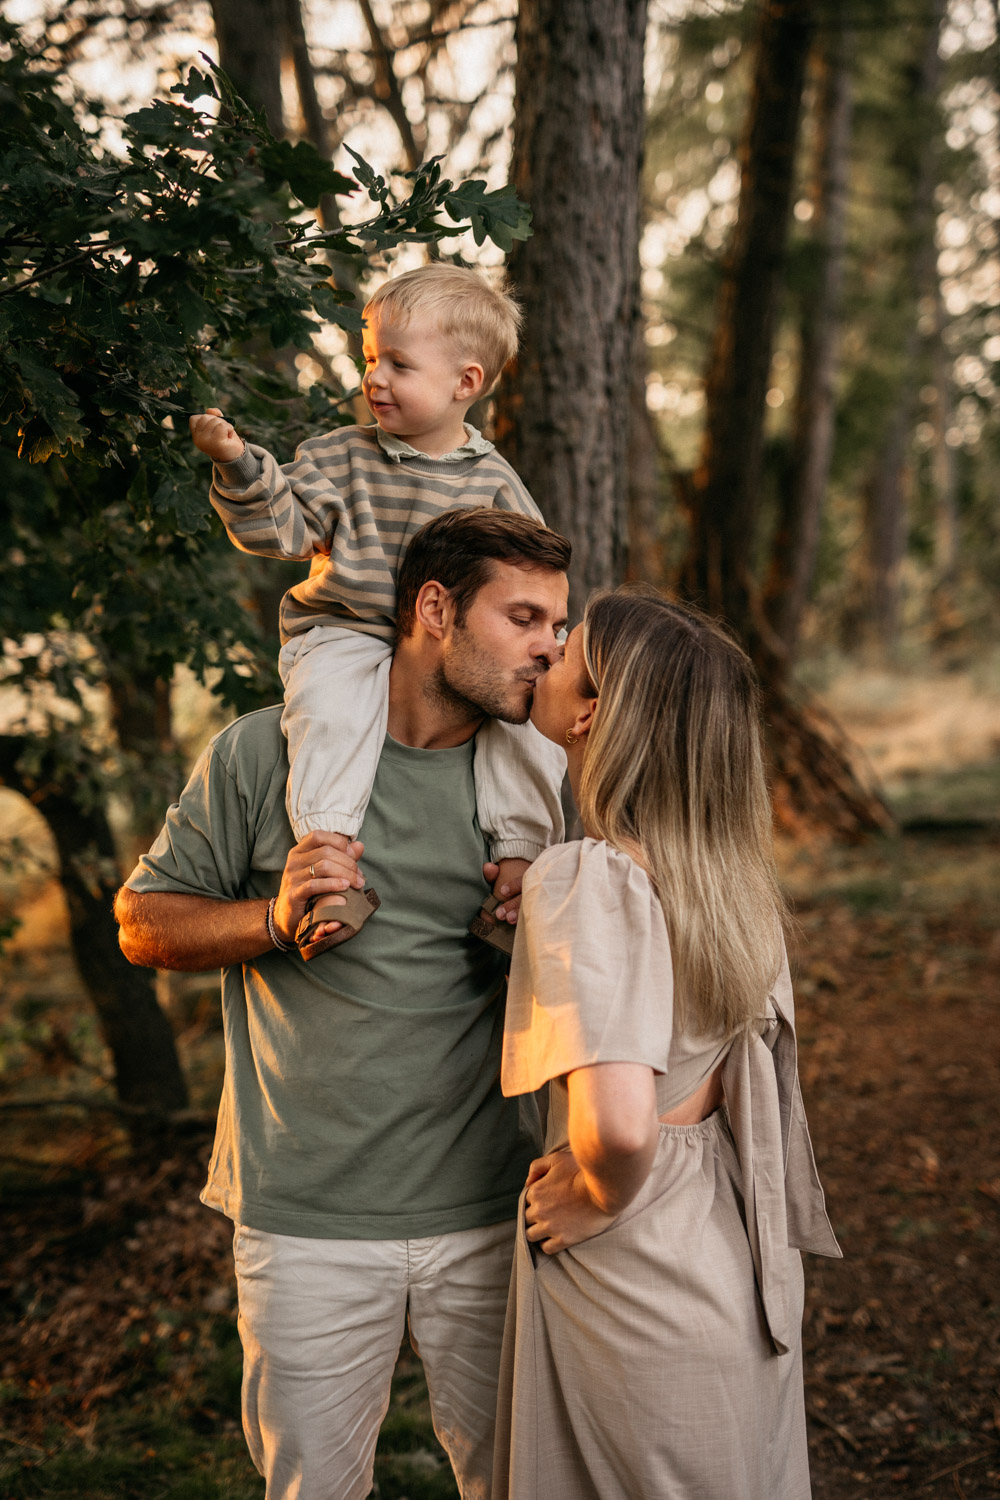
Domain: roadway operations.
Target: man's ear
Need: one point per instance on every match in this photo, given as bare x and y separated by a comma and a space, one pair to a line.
470, 382
434, 608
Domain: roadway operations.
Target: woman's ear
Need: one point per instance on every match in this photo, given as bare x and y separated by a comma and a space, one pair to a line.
584, 719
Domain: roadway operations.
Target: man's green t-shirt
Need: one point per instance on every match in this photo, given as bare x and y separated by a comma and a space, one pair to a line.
362, 1091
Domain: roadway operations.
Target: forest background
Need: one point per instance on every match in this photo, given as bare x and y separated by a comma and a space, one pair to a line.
759, 369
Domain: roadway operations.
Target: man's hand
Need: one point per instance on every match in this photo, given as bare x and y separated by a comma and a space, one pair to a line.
559, 1210
506, 879
321, 864
216, 437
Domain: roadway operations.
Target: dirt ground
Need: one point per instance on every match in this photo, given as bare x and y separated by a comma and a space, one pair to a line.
119, 1362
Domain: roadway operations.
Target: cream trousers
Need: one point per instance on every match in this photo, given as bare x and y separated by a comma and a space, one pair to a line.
336, 709
321, 1323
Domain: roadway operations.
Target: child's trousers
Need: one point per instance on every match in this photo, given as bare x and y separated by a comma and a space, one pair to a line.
336, 710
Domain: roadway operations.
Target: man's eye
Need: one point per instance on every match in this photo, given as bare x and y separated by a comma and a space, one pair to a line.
518, 620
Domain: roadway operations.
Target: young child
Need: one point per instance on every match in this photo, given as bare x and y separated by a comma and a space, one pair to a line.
435, 341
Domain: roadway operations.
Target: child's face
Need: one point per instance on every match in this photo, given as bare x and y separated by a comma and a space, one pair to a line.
417, 384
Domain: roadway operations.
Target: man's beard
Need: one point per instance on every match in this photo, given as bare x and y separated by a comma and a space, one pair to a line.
468, 684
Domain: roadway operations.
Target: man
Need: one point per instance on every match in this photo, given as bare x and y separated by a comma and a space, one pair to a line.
364, 1150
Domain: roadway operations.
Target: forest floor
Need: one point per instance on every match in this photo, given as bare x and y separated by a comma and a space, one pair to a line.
119, 1358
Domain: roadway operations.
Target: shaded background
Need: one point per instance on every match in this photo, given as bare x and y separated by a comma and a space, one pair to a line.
759, 365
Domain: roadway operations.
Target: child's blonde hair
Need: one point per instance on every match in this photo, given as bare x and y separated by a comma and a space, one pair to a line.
483, 320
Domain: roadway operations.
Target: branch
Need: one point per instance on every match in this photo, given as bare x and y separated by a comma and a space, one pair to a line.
387, 87
202, 1119
54, 270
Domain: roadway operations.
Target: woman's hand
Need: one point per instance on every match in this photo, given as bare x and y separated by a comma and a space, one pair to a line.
559, 1210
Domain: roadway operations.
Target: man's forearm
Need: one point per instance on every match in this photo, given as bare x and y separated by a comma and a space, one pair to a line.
192, 933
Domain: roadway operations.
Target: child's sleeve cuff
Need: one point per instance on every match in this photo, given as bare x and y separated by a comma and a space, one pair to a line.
241, 473
515, 849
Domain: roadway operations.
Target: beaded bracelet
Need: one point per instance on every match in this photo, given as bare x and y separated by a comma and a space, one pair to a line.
272, 930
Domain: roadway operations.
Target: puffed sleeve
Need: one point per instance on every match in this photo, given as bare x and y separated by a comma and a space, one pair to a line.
591, 979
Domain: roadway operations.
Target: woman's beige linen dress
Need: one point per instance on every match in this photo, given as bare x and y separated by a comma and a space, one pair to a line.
661, 1359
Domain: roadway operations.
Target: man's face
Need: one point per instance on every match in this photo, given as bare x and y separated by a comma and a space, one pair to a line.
509, 637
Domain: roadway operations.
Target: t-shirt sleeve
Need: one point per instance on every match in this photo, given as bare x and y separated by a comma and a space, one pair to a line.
203, 847
591, 979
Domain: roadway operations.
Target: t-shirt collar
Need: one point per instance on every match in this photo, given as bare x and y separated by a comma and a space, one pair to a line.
395, 449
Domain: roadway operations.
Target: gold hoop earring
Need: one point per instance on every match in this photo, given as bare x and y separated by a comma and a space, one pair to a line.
571, 738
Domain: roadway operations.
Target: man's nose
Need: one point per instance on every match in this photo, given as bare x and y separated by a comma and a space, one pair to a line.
550, 650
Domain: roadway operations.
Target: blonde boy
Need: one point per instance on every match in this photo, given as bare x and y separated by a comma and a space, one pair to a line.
435, 341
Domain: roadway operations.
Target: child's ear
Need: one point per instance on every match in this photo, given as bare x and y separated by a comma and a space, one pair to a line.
470, 382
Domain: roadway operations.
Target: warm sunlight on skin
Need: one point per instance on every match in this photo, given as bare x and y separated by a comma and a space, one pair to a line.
417, 383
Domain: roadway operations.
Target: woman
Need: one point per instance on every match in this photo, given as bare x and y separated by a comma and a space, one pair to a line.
653, 1347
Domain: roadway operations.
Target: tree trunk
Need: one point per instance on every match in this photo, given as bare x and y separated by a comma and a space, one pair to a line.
563, 414
251, 39
812, 777
727, 481
944, 479
645, 476
796, 542
137, 1033
887, 511
140, 713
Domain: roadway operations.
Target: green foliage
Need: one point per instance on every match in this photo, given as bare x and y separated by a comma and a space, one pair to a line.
139, 285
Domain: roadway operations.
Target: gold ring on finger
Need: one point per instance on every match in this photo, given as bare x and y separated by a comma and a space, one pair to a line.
312, 872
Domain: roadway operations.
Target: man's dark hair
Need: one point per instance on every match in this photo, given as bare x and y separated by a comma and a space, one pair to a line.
458, 551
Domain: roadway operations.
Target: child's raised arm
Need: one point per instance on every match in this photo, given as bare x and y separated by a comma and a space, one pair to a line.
216, 437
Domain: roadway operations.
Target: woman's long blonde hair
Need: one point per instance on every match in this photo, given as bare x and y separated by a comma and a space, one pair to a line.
675, 766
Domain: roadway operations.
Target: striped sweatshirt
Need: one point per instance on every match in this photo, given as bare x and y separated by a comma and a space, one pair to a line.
346, 502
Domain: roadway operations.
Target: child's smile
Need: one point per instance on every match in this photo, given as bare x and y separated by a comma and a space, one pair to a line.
417, 383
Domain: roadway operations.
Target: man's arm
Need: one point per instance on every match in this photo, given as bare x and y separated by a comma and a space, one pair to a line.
173, 930
167, 930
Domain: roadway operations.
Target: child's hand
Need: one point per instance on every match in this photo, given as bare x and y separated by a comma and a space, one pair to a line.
214, 436
506, 877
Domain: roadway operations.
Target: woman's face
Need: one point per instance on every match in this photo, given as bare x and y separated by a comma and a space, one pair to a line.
563, 693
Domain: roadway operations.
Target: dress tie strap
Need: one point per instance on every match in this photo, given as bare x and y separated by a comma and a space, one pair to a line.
783, 1200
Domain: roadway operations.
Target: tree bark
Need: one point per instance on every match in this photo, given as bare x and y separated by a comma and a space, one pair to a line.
945, 483
886, 507
563, 413
251, 39
135, 1030
141, 715
813, 780
645, 477
727, 480
796, 542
